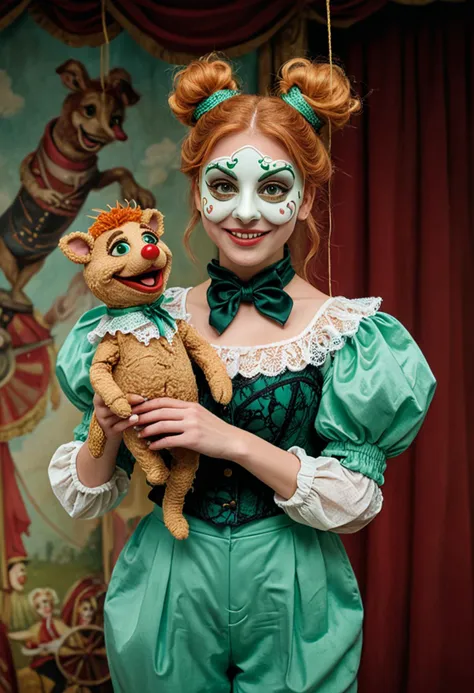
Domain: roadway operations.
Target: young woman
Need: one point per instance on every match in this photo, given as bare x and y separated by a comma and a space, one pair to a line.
261, 596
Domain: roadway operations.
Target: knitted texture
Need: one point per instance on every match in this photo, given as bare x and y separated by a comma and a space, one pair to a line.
132, 359
213, 100
296, 100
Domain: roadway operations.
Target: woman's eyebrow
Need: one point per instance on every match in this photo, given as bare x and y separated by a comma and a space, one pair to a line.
267, 174
220, 168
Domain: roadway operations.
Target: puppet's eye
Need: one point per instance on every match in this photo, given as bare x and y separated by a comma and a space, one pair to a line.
150, 238
90, 110
120, 248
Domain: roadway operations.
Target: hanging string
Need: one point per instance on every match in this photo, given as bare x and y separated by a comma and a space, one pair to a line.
104, 50
328, 21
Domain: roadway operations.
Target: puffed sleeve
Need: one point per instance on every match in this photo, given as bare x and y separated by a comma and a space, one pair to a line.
376, 392
72, 369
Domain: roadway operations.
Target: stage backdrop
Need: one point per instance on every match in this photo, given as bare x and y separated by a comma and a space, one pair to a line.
49, 561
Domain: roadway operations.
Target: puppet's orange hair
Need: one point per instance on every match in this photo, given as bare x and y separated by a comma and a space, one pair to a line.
115, 217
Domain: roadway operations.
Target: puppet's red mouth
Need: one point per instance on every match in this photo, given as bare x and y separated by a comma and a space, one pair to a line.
148, 282
88, 141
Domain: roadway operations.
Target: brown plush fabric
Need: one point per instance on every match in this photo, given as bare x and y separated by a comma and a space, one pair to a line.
122, 365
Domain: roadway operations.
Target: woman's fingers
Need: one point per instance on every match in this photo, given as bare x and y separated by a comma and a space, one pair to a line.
157, 429
160, 403
168, 443
122, 425
135, 399
160, 415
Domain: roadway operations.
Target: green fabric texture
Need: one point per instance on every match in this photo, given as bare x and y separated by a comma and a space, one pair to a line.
376, 393
276, 600
264, 290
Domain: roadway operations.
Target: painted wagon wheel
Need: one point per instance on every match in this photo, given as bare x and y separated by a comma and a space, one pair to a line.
81, 656
26, 369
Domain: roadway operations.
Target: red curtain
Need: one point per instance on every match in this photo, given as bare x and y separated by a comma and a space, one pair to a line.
403, 220
178, 29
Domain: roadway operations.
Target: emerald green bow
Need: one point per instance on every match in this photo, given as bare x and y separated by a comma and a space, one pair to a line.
264, 290
153, 311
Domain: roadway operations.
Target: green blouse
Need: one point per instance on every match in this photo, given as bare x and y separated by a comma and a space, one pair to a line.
353, 386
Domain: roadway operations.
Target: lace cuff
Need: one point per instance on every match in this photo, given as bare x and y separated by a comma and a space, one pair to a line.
330, 497
81, 501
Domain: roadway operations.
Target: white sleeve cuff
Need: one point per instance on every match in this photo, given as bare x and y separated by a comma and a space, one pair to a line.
81, 501
330, 497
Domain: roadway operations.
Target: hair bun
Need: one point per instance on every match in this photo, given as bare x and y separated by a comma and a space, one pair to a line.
329, 95
196, 82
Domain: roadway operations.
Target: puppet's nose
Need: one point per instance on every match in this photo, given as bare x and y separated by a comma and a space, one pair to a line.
150, 251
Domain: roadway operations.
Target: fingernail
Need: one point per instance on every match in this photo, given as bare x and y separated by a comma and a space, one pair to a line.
133, 418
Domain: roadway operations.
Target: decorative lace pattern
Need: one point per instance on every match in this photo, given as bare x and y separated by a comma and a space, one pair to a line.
133, 323
337, 319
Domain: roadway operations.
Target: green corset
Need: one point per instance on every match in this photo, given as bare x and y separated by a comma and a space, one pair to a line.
280, 409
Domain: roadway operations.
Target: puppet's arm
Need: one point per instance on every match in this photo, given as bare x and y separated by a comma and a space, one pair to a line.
208, 361
106, 358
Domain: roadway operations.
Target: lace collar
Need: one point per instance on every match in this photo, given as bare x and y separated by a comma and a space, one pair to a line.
336, 320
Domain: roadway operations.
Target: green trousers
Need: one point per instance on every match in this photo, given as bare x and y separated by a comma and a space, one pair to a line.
268, 607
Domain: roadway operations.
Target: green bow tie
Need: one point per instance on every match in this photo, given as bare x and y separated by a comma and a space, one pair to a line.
152, 311
264, 290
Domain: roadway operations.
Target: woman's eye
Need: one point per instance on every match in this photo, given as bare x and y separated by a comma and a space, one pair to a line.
120, 248
225, 188
273, 190
222, 189
90, 110
150, 238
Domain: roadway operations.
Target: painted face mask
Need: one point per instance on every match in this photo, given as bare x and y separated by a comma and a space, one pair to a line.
248, 186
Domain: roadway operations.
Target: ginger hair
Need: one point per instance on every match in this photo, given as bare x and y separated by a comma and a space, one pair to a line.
113, 218
330, 97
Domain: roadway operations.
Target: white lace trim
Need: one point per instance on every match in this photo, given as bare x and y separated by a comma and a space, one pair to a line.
336, 320
133, 323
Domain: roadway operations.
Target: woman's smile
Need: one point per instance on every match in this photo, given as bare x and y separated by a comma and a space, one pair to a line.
246, 237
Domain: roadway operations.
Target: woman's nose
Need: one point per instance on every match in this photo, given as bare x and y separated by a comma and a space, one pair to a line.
150, 251
246, 210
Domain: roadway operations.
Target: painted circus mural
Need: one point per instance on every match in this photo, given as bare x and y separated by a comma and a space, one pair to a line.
66, 146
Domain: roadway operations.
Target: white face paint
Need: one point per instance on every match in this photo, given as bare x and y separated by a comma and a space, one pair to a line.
249, 185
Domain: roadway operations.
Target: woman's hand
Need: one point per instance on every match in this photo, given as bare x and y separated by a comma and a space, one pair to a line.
187, 425
112, 425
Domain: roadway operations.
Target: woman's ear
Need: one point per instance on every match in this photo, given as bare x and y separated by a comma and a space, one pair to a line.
307, 205
77, 247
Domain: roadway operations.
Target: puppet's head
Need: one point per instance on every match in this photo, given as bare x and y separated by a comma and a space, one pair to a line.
125, 262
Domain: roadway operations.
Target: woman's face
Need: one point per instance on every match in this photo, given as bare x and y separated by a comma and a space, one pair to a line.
250, 196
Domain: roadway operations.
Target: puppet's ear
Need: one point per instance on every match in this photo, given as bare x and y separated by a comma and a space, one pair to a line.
77, 247
154, 219
120, 79
74, 75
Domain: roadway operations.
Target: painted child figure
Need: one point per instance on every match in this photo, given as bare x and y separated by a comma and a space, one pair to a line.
262, 596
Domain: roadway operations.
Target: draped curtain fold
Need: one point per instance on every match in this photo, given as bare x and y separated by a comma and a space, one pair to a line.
404, 230
180, 30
